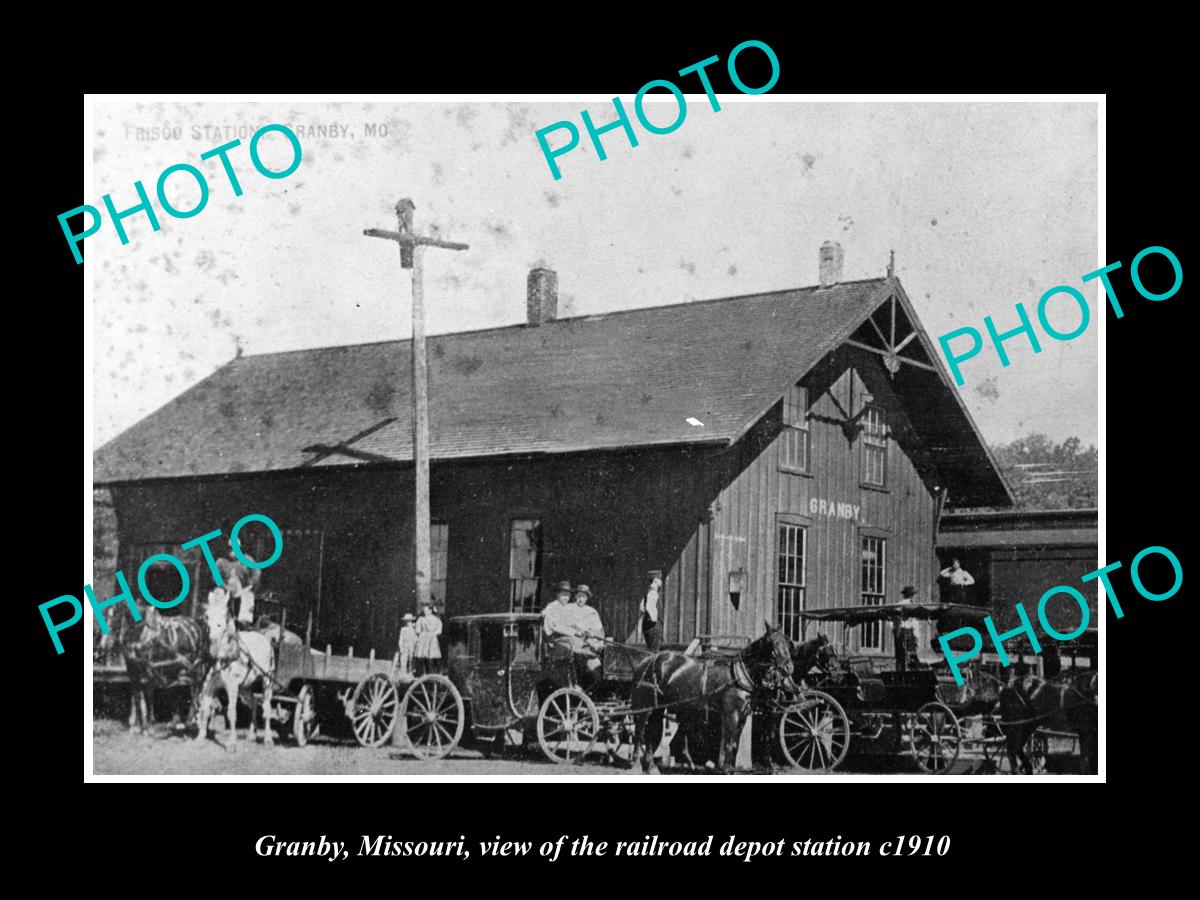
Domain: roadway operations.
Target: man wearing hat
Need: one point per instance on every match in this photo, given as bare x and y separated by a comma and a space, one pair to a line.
408, 642
558, 619
241, 581
904, 634
591, 630
648, 609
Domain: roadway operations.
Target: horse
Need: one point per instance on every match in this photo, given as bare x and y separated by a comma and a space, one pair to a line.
693, 688
1069, 704
160, 651
240, 659
816, 652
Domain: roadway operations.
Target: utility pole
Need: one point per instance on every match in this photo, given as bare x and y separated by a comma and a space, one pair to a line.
412, 251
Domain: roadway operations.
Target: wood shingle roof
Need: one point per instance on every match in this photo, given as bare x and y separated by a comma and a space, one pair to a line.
622, 379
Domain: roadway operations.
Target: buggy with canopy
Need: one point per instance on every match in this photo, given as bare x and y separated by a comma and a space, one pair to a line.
855, 700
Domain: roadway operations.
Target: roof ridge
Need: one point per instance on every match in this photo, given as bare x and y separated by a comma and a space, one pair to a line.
553, 322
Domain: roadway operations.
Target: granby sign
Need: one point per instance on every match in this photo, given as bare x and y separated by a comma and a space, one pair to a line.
832, 510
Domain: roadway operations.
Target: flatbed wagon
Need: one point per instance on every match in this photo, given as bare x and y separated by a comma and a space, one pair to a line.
373, 693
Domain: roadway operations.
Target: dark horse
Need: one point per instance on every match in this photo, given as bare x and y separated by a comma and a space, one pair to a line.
695, 689
1067, 704
816, 653
162, 651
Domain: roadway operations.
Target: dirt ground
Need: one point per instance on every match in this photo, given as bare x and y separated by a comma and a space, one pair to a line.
171, 751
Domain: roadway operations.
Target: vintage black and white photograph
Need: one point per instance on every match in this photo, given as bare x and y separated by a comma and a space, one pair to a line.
436, 464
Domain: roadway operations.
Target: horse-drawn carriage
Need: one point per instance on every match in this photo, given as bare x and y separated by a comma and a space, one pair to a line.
503, 684
506, 684
900, 710
920, 709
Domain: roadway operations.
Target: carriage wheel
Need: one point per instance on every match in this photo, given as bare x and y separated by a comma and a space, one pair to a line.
568, 725
995, 750
619, 734
992, 743
433, 716
1036, 748
304, 716
373, 710
936, 736
814, 732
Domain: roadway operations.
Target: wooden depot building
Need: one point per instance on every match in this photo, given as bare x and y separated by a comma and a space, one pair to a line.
769, 453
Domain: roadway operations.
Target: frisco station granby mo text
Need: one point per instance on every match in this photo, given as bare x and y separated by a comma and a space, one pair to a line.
144, 206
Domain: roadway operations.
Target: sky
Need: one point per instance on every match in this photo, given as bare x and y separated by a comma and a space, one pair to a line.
985, 205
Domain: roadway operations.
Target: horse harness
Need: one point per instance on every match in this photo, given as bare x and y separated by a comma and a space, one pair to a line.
741, 680
158, 641
244, 653
1085, 701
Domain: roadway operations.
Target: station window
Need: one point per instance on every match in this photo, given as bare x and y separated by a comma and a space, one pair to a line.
874, 448
525, 564
491, 642
874, 588
795, 446
789, 602
439, 550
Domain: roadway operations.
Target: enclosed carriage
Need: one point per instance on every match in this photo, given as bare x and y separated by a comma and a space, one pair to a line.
518, 687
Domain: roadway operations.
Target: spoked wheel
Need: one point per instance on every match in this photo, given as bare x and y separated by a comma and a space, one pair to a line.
995, 750
814, 732
936, 737
373, 710
568, 725
617, 733
304, 716
1036, 748
994, 747
433, 716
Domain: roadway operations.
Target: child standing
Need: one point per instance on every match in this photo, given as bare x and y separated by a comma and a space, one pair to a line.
428, 651
408, 643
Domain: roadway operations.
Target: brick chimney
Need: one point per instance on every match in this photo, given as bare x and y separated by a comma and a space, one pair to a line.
830, 264
542, 295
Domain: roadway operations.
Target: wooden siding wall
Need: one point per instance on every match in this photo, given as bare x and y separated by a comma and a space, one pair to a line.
758, 493
607, 519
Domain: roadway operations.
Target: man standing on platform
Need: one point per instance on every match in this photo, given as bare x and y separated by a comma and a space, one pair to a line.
649, 610
904, 637
960, 579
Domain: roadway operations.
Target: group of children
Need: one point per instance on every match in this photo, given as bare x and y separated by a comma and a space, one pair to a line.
420, 646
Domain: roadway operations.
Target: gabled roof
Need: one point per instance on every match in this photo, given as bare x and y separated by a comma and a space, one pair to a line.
623, 379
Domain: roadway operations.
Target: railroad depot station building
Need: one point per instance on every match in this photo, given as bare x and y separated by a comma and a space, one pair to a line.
768, 453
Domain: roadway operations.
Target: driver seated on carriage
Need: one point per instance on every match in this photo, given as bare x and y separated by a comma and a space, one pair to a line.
574, 631
241, 581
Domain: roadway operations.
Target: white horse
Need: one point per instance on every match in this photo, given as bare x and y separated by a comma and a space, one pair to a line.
241, 658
